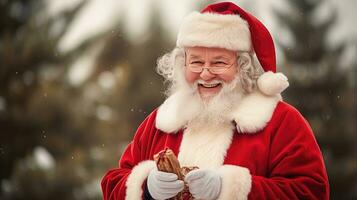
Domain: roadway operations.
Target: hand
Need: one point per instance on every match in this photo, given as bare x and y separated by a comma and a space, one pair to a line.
204, 183
163, 185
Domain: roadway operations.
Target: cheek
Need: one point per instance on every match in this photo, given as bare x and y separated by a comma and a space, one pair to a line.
190, 76
229, 75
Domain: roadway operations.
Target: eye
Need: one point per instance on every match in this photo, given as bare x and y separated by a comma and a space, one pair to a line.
219, 63
196, 62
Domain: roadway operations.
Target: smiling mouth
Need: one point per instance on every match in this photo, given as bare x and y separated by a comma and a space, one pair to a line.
206, 85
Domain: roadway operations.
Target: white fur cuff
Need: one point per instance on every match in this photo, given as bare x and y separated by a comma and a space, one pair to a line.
236, 182
136, 179
272, 83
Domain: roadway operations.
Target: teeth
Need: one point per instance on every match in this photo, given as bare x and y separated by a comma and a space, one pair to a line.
210, 85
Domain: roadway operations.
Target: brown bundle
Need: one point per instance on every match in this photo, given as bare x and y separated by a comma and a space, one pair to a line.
166, 161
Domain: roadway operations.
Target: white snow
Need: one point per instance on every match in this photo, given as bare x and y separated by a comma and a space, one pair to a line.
106, 80
2, 104
43, 158
104, 112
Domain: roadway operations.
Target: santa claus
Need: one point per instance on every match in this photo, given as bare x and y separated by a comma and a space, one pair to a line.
224, 114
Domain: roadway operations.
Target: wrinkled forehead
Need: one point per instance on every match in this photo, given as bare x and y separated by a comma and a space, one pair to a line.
211, 52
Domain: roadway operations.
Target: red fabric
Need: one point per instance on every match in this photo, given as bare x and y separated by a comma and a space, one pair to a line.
262, 41
284, 159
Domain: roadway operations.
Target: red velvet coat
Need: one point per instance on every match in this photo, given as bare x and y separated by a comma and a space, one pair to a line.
279, 159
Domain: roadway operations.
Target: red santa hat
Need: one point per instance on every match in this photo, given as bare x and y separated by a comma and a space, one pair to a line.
225, 25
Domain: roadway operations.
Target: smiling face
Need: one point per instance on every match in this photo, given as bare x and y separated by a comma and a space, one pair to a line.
209, 82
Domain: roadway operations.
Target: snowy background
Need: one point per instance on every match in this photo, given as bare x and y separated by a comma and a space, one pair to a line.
77, 78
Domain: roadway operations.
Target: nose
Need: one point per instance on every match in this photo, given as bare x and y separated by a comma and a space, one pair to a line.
206, 75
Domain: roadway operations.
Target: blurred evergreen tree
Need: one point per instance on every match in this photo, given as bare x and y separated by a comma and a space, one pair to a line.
84, 126
139, 88
34, 102
322, 90
144, 91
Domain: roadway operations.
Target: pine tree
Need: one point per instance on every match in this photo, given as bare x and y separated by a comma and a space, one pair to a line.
82, 125
321, 90
34, 102
139, 88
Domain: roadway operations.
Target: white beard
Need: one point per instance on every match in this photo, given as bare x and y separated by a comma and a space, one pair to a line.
209, 130
213, 111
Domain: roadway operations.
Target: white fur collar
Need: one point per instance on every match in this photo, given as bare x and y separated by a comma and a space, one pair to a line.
252, 113
194, 150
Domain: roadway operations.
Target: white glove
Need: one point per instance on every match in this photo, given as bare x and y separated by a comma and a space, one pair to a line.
204, 183
162, 185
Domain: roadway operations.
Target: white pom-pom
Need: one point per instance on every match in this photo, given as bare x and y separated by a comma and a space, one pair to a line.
271, 83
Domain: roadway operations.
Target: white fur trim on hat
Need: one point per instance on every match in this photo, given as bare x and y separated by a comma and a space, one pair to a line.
271, 83
215, 30
136, 179
236, 182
